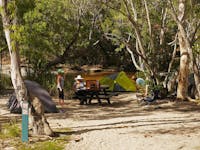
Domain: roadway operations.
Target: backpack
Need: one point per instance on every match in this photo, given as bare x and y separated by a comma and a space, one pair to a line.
13, 105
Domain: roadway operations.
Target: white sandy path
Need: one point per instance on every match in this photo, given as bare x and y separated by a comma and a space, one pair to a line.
153, 130
169, 131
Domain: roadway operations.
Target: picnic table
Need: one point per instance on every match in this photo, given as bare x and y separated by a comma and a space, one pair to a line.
99, 94
95, 91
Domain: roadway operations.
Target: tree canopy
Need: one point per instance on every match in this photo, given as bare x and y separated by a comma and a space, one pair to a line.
112, 33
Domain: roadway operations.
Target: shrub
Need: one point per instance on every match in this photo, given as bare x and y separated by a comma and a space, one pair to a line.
5, 82
48, 81
10, 130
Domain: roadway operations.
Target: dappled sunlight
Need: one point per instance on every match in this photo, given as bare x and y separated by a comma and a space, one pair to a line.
123, 105
164, 118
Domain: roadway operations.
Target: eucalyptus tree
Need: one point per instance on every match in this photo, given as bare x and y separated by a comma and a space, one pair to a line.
9, 21
144, 29
152, 33
9, 15
187, 20
58, 31
3, 44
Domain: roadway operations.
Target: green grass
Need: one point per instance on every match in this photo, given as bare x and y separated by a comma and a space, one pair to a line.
10, 130
11, 134
54, 144
45, 145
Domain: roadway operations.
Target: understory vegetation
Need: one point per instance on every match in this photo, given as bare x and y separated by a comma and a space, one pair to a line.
10, 136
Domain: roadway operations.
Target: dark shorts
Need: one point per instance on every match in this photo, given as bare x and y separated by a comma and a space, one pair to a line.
61, 94
81, 95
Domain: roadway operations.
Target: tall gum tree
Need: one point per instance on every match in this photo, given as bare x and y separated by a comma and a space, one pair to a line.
17, 81
184, 60
186, 53
38, 121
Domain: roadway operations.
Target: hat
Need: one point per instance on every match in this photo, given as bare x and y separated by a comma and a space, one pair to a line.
60, 71
78, 77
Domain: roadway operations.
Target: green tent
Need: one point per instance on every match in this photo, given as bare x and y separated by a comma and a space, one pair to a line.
118, 82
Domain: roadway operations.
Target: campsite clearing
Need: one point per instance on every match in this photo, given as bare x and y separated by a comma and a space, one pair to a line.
126, 125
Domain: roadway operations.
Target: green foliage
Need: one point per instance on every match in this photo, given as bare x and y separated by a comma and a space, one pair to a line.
11, 134
5, 81
48, 81
44, 78
46, 145
46, 29
57, 143
10, 130
3, 44
140, 74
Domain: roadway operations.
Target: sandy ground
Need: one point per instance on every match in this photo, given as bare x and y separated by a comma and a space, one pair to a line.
125, 125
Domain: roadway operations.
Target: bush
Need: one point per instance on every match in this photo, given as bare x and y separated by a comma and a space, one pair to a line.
5, 82
10, 130
54, 144
46, 145
48, 81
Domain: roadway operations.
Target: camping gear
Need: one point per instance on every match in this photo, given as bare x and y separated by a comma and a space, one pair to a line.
13, 105
140, 81
36, 90
118, 82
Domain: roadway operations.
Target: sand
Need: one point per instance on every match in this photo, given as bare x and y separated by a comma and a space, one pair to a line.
125, 125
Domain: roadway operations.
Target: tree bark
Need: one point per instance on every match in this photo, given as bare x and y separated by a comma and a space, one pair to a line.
37, 120
162, 30
182, 90
140, 43
62, 58
17, 81
166, 80
186, 50
16, 77
149, 25
133, 59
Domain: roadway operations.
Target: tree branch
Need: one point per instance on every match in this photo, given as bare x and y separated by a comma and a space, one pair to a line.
193, 39
62, 58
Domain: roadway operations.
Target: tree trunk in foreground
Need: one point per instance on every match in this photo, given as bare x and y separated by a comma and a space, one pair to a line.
186, 56
182, 90
17, 81
40, 124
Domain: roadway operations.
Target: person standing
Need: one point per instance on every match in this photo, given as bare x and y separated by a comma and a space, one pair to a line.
60, 86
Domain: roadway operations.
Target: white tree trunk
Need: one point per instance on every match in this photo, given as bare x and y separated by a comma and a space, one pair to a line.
38, 121
186, 50
149, 25
40, 124
17, 81
182, 90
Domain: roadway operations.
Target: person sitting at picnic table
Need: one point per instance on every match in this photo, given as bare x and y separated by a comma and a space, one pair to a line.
142, 86
79, 88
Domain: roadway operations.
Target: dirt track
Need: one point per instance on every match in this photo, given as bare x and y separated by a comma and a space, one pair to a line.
124, 125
